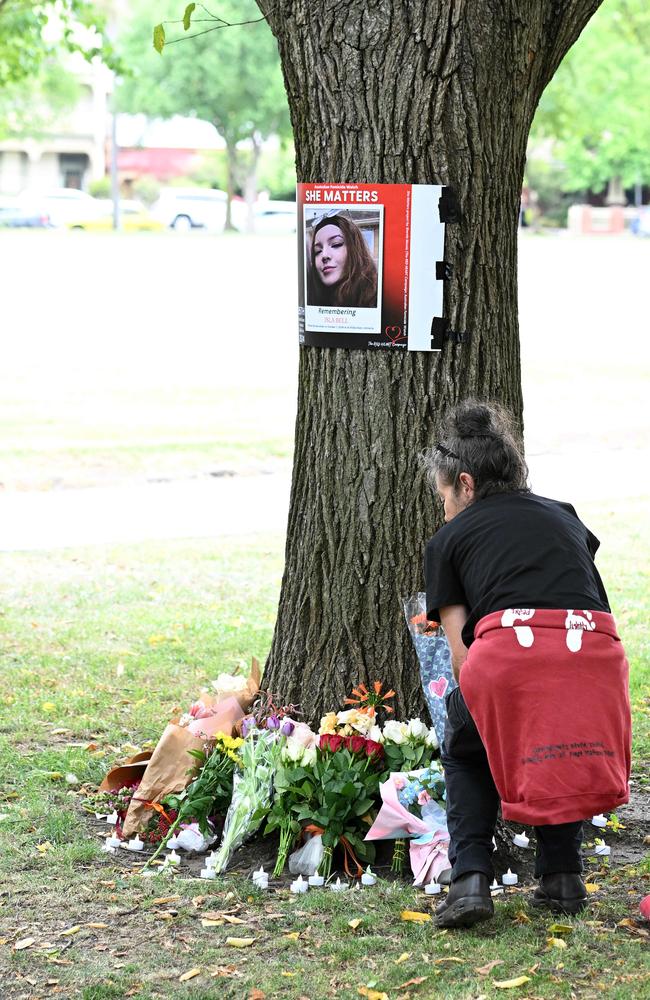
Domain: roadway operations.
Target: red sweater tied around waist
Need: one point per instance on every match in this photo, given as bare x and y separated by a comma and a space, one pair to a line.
548, 691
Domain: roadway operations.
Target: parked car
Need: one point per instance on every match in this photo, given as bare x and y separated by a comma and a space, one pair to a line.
60, 204
184, 209
17, 215
134, 217
274, 217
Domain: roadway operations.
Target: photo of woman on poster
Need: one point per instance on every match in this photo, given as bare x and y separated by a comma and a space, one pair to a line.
341, 270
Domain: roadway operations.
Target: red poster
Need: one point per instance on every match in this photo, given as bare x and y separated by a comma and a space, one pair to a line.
367, 256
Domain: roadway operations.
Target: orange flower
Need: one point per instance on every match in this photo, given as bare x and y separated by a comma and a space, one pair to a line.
370, 701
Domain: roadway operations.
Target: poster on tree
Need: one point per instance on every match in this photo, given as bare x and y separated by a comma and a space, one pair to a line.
367, 256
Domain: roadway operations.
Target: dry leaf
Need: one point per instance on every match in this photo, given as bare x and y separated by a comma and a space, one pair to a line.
97, 926
354, 923
189, 975
510, 984
412, 982
235, 942
485, 970
256, 994
415, 916
226, 972
164, 899
292, 935
42, 848
365, 991
288, 975
206, 922
71, 930
554, 942
591, 887
439, 961
561, 929
232, 920
521, 917
24, 943
404, 957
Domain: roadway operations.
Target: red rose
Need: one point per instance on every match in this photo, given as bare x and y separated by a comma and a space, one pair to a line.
330, 741
355, 743
374, 750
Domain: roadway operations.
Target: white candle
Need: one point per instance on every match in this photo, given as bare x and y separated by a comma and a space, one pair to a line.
211, 860
338, 886
510, 878
368, 878
433, 888
521, 840
108, 846
599, 820
135, 844
495, 888
261, 883
173, 858
100, 815
603, 849
299, 885
112, 818
207, 873
112, 840
316, 880
260, 875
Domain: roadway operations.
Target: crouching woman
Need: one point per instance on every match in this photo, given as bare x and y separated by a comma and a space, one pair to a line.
541, 718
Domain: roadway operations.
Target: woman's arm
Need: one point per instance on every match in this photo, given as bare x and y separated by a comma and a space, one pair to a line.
452, 619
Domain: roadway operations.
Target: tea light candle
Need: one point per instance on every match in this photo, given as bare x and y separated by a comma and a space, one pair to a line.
603, 849
339, 886
599, 820
260, 875
207, 873
211, 860
495, 888
521, 840
368, 878
433, 888
112, 818
173, 858
510, 878
112, 840
108, 846
261, 883
316, 880
299, 886
135, 844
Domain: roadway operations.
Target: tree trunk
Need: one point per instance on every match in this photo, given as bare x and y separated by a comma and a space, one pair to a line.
422, 91
250, 183
231, 160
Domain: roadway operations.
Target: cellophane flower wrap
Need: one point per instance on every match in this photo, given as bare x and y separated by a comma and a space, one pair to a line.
252, 791
294, 784
434, 657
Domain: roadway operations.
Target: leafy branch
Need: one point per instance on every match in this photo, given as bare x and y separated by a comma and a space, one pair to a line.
159, 37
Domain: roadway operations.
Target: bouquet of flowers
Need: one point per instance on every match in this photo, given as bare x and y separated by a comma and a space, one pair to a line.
413, 807
434, 657
294, 785
408, 745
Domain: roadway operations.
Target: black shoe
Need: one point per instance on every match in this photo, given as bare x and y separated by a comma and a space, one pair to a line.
561, 892
469, 901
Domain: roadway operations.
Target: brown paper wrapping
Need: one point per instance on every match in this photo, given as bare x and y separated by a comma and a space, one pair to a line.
171, 767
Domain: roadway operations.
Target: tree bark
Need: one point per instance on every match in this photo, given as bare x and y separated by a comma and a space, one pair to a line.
400, 91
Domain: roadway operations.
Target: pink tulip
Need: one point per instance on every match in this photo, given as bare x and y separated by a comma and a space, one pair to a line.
200, 711
423, 797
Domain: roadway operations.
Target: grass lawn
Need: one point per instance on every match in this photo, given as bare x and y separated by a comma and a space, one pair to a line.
100, 646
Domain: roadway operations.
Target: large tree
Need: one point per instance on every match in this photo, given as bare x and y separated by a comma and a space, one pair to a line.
426, 91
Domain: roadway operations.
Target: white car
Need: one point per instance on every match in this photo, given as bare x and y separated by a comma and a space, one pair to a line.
62, 205
184, 209
274, 217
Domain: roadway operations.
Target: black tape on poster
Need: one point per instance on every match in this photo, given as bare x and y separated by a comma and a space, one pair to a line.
448, 207
444, 270
440, 333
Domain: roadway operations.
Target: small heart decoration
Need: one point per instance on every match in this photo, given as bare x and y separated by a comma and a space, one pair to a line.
394, 333
438, 687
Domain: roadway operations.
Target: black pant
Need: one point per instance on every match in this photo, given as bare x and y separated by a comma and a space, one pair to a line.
473, 803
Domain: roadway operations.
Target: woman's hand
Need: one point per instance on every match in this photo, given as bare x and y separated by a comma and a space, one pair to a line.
452, 619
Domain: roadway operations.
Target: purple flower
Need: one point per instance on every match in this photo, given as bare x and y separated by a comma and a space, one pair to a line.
287, 727
272, 722
247, 725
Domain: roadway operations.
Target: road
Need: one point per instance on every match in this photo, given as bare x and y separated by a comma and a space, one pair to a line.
108, 330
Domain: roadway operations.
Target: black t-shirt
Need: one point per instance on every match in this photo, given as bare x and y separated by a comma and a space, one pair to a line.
512, 550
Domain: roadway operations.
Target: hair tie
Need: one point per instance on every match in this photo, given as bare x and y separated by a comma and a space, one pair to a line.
447, 452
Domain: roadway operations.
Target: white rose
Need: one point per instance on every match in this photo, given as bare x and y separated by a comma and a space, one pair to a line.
431, 739
395, 732
227, 684
292, 750
376, 735
308, 756
417, 729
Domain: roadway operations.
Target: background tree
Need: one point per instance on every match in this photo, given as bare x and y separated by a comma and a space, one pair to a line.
230, 78
425, 91
598, 106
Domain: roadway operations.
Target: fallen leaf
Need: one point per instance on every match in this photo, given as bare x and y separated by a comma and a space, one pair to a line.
234, 942
555, 942
366, 991
288, 975
534, 967
521, 918
439, 961
96, 926
196, 901
232, 920
485, 970
226, 972
42, 848
206, 922
24, 943
415, 916
510, 984
404, 957
354, 923
412, 982
591, 887
71, 930
292, 935
189, 975
164, 899
256, 994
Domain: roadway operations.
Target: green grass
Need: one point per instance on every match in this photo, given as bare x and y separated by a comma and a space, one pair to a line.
100, 647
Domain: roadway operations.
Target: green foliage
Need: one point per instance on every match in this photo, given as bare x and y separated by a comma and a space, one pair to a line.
100, 188
277, 172
146, 189
597, 107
